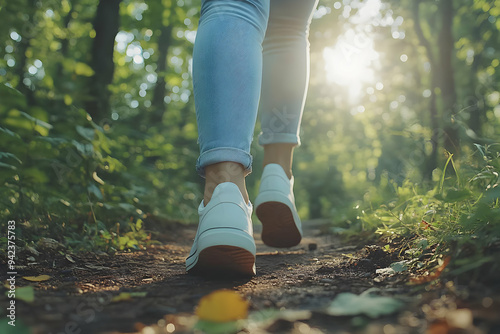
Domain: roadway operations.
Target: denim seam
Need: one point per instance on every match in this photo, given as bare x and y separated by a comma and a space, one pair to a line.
228, 154
289, 138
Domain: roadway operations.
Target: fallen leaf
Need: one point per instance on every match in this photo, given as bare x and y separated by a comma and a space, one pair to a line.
20, 327
37, 278
264, 318
211, 327
385, 271
127, 296
373, 306
25, 293
400, 266
438, 327
69, 258
222, 306
433, 276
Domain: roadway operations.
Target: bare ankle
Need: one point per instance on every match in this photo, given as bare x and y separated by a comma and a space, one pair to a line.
224, 172
281, 154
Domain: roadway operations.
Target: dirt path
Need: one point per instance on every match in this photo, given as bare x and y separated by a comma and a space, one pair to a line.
84, 291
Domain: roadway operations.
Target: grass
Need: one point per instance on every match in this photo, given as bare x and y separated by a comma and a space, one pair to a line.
457, 216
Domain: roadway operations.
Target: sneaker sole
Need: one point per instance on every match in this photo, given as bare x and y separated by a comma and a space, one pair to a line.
223, 251
278, 225
224, 261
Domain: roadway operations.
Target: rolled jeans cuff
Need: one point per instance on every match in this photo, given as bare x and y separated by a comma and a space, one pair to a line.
275, 138
222, 154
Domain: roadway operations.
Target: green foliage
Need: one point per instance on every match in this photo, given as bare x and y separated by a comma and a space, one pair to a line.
347, 303
85, 181
461, 213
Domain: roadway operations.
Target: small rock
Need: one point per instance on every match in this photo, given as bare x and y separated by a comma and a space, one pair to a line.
50, 244
366, 264
31, 258
32, 250
312, 246
325, 270
300, 277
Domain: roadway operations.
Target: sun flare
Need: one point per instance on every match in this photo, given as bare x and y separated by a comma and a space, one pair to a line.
350, 63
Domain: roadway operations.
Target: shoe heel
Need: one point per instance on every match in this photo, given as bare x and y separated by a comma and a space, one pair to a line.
222, 252
280, 228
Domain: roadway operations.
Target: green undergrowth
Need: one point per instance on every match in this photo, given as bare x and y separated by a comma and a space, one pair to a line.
87, 185
457, 216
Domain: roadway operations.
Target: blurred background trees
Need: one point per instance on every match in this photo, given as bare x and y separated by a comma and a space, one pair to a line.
97, 119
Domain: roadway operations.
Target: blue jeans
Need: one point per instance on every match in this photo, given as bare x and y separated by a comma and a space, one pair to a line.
249, 56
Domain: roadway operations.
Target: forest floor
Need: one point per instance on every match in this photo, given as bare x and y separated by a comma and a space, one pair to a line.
148, 291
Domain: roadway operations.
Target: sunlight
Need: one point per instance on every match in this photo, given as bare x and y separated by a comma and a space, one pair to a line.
352, 60
349, 66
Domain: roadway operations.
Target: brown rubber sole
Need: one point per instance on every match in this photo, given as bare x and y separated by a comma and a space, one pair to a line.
278, 227
224, 261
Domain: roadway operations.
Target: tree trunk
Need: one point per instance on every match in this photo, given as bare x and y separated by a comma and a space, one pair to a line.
64, 47
433, 112
447, 84
106, 25
21, 59
160, 90
476, 102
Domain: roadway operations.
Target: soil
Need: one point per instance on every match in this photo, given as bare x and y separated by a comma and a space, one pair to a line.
81, 294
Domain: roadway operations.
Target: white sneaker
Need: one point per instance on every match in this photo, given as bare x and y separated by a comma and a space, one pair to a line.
224, 241
275, 208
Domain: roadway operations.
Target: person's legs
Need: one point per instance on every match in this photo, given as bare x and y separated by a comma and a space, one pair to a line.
227, 76
285, 79
284, 88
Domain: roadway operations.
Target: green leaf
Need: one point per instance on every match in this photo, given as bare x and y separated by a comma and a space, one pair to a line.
373, 306
52, 140
399, 266
211, 327
20, 327
37, 121
266, 317
25, 293
85, 132
93, 189
7, 155
422, 244
480, 149
8, 132
4, 165
127, 207
454, 195
35, 175
11, 95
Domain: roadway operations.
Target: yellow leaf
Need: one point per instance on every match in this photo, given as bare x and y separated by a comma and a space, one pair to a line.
222, 306
97, 178
37, 278
127, 296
